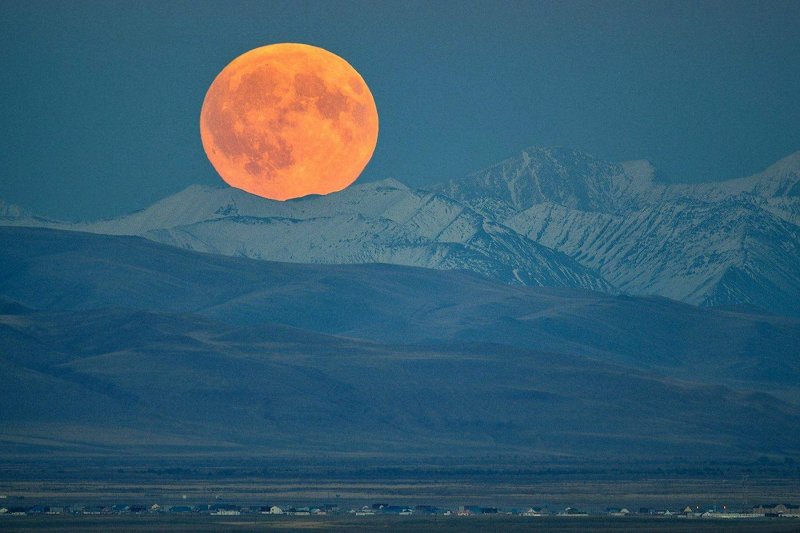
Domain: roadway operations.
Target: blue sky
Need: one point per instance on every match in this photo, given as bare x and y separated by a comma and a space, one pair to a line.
101, 99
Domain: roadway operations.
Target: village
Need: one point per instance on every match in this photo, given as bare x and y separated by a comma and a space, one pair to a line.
772, 510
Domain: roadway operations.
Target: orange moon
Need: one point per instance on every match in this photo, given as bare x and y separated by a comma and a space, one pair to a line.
288, 120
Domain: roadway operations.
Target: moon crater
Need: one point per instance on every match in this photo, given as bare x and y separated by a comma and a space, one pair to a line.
288, 120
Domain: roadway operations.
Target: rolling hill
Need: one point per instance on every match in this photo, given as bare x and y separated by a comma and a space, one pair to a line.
117, 345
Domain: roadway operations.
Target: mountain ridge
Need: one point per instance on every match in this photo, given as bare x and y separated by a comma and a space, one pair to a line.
646, 237
547, 217
379, 222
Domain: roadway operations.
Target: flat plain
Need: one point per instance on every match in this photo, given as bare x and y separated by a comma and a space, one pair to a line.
392, 523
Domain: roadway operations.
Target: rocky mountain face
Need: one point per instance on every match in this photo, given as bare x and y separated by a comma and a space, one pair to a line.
383, 222
547, 217
568, 178
733, 242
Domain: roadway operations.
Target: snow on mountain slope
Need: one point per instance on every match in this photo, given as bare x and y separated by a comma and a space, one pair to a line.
561, 176
780, 180
777, 189
199, 203
383, 222
736, 241
685, 250
551, 217
577, 180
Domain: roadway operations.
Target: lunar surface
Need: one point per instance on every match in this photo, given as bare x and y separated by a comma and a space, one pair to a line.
288, 120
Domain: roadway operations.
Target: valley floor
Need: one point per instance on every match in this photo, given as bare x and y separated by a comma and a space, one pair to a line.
411, 524
181, 494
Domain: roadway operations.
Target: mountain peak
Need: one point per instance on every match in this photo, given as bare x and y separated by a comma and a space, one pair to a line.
562, 176
788, 166
540, 155
386, 183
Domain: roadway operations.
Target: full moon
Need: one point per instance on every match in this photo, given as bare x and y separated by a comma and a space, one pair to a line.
288, 120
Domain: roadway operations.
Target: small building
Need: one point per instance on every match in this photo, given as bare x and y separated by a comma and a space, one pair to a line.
396, 509
224, 507
572, 511
226, 512
536, 511
777, 509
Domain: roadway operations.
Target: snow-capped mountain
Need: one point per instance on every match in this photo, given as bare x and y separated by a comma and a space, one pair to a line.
720, 243
707, 253
549, 217
383, 222
780, 180
776, 189
576, 180
565, 177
